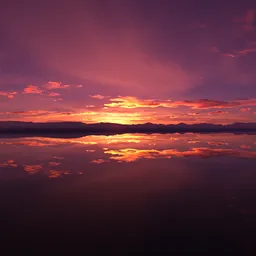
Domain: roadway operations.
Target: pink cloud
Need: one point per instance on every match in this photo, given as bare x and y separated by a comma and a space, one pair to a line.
90, 106
193, 114
32, 89
53, 94
9, 95
218, 112
55, 85
54, 163
28, 113
249, 20
207, 103
249, 48
45, 90
245, 109
245, 146
98, 97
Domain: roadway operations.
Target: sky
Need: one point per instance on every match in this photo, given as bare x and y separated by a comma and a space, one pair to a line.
128, 61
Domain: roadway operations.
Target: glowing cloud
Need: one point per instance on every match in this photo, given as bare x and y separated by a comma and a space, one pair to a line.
133, 102
132, 154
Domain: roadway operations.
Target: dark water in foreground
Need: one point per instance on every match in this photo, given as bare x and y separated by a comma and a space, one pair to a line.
130, 193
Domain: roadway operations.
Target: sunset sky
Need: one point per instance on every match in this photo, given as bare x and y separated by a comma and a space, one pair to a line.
133, 61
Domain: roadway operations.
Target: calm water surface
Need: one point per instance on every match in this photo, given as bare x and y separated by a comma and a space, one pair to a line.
155, 193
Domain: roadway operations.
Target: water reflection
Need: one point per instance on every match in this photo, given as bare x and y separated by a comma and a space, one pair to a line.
165, 188
53, 156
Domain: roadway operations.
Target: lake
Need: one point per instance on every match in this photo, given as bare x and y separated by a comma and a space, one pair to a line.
153, 192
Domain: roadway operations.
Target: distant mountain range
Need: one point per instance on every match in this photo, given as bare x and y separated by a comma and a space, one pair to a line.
110, 128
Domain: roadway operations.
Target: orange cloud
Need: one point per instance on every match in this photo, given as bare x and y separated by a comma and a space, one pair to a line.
193, 114
134, 102
98, 161
56, 173
9, 163
131, 154
32, 169
29, 143
217, 143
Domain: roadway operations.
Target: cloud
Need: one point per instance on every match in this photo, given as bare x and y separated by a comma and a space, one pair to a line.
32, 89
133, 110
90, 106
54, 163
245, 51
218, 112
217, 143
98, 161
245, 109
32, 169
245, 146
98, 96
238, 53
207, 104
35, 113
132, 154
134, 102
45, 90
193, 114
56, 173
9, 95
249, 20
58, 157
55, 85
53, 94
9, 163
29, 143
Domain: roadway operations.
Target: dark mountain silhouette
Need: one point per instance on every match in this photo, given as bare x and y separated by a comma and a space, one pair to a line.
16, 127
